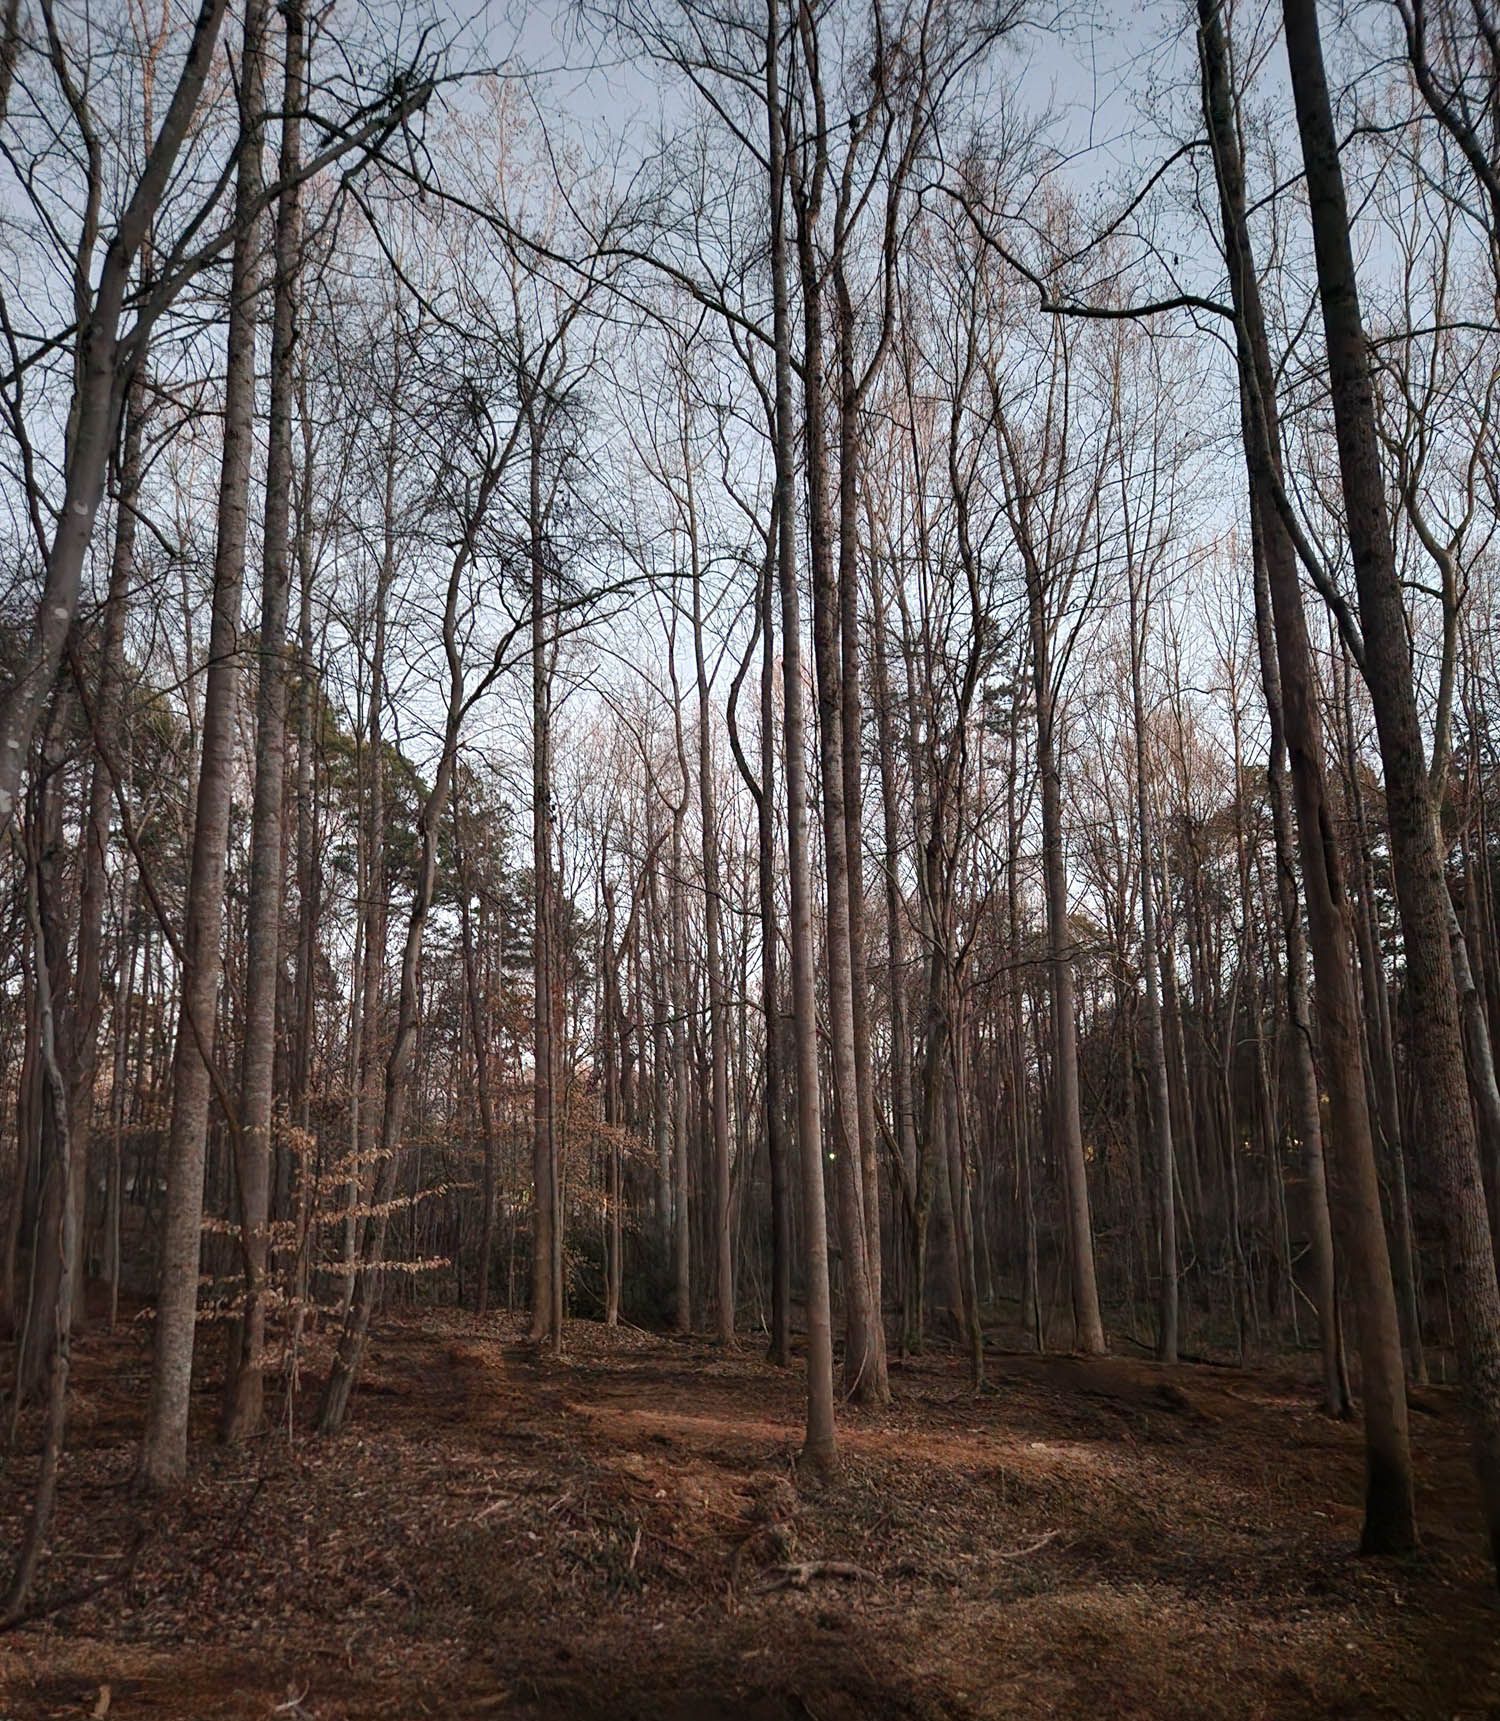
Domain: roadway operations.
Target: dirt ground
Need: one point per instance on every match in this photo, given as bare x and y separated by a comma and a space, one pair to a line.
625, 1535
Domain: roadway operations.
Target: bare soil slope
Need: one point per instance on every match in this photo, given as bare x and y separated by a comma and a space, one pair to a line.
626, 1535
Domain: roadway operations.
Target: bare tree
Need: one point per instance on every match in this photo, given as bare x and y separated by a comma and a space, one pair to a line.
1422, 892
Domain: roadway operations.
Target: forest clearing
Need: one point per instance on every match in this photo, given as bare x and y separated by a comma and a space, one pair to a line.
625, 1535
749, 859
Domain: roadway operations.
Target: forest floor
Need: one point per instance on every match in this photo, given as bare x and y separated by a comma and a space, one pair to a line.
620, 1536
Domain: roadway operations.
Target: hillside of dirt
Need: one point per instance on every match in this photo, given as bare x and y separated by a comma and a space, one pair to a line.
626, 1534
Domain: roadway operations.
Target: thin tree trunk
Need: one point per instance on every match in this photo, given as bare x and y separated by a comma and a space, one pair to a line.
774, 1075
43, 1500
1381, 1062
84, 1019
863, 1365
677, 991
479, 1034
349, 1352
1307, 1121
872, 1385
546, 1320
718, 1023
762, 791
820, 1448
1067, 1112
902, 1102
244, 1387
1156, 1050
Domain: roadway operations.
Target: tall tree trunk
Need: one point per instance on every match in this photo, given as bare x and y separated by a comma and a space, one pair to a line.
1390, 1520
1422, 892
479, 1034
49, 1184
304, 1162
774, 1074
718, 1022
678, 993
763, 793
1067, 1110
546, 1319
108, 703
349, 1353
611, 1013
1381, 1061
863, 1369
1307, 1119
163, 1459
902, 1102
76, 1020
661, 1123
366, 1029
820, 1447
244, 1388
65, 1251
1156, 1047
873, 1385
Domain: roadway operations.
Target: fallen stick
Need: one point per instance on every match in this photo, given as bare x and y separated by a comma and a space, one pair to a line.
799, 1575
1030, 1548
